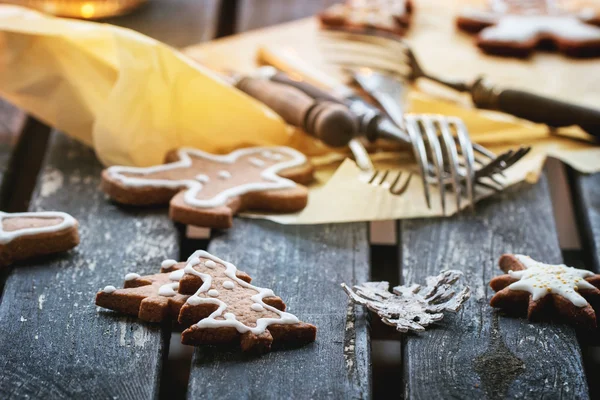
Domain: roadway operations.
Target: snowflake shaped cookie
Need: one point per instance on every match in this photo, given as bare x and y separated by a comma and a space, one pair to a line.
387, 16
207, 190
516, 28
538, 288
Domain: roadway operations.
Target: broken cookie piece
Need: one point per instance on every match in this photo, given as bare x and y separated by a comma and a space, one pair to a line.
33, 234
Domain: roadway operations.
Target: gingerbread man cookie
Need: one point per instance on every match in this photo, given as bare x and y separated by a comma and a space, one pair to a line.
208, 190
516, 28
32, 234
540, 289
214, 300
387, 16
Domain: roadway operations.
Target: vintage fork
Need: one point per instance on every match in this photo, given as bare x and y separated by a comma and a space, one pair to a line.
424, 132
395, 55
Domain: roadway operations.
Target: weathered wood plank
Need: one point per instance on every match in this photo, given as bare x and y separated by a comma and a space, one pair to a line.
305, 266
255, 14
11, 122
54, 342
479, 353
178, 23
586, 201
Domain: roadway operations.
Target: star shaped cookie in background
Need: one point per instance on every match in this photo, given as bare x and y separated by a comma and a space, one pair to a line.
517, 28
207, 190
543, 290
369, 16
33, 234
214, 300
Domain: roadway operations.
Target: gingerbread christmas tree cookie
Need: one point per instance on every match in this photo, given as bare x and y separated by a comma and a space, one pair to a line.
208, 190
516, 28
214, 300
369, 16
32, 234
543, 290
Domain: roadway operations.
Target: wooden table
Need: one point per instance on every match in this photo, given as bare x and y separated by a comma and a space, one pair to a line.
55, 343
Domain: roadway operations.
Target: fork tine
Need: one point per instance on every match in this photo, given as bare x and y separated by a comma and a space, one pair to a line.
418, 146
436, 152
450, 146
467, 150
400, 190
496, 163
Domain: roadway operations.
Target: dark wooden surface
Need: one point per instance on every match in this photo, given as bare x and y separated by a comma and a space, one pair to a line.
586, 197
54, 341
253, 14
304, 265
178, 23
478, 353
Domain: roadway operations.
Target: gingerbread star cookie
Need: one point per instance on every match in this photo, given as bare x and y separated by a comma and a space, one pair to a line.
32, 234
369, 16
517, 28
208, 190
542, 289
214, 300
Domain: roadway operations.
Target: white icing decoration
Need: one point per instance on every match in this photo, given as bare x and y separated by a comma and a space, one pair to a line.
168, 263
378, 13
522, 28
541, 279
267, 154
230, 320
228, 285
194, 261
273, 181
176, 275
213, 292
6, 237
224, 174
131, 276
257, 307
202, 178
109, 289
257, 162
168, 289
209, 264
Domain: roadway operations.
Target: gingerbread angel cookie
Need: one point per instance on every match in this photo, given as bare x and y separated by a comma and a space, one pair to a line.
517, 28
214, 300
541, 290
32, 234
208, 190
369, 16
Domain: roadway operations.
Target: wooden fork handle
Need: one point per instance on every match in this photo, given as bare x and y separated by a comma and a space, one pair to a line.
311, 90
330, 122
536, 108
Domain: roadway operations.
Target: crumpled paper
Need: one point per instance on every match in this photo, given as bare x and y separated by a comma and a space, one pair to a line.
130, 97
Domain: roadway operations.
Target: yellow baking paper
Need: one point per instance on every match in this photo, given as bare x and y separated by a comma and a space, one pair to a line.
130, 97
